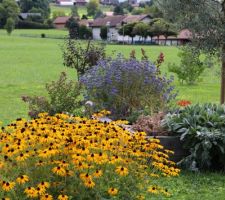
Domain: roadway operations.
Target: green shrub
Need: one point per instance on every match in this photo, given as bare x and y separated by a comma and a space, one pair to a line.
202, 130
64, 96
190, 68
10, 25
31, 25
82, 56
85, 32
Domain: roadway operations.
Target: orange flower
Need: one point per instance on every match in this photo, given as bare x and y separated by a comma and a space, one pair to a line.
183, 103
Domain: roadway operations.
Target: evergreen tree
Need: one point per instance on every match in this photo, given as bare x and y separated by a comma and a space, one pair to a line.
104, 32
118, 10
73, 27
10, 25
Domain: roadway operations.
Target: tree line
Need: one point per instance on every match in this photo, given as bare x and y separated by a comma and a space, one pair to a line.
155, 28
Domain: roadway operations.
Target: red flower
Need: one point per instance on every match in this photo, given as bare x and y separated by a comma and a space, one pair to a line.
183, 103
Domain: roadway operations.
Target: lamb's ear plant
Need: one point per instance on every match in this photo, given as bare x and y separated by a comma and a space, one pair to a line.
202, 131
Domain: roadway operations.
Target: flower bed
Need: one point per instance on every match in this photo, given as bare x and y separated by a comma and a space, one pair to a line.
63, 157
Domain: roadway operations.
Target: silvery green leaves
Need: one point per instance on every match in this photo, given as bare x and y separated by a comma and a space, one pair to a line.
202, 129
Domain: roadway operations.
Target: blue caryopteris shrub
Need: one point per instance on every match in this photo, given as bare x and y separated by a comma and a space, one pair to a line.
127, 86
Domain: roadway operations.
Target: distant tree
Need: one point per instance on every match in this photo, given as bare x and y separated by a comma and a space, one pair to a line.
161, 27
99, 14
8, 9
74, 11
126, 6
58, 13
127, 29
92, 7
104, 32
141, 29
167, 29
10, 25
118, 10
35, 18
43, 5
84, 17
151, 32
153, 11
85, 32
73, 27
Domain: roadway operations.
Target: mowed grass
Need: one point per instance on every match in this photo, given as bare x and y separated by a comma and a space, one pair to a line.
193, 186
27, 64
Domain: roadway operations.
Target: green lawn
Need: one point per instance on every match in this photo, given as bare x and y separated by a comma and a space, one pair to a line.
194, 186
28, 63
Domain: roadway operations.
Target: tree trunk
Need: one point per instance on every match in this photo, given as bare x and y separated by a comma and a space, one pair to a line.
222, 93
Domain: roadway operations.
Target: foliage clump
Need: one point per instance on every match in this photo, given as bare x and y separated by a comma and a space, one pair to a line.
65, 157
63, 96
202, 131
150, 124
127, 86
82, 56
191, 66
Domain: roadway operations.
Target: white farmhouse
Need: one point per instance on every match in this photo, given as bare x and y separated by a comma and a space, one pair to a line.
114, 23
71, 2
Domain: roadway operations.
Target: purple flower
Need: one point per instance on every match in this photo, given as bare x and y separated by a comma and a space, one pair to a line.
122, 85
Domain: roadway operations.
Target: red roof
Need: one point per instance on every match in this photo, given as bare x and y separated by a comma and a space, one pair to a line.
61, 20
184, 34
112, 20
135, 18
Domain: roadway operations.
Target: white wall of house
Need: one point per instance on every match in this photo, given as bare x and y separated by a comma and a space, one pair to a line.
66, 3
146, 20
96, 33
112, 34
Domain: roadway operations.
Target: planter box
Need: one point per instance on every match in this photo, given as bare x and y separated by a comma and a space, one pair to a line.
173, 143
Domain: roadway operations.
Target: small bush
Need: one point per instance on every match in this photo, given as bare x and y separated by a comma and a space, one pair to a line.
63, 96
63, 157
127, 86
82, 56
43, 35
202, 130
190, 68
150, 124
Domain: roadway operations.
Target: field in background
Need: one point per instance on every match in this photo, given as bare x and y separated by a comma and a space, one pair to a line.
81, 9
27, 63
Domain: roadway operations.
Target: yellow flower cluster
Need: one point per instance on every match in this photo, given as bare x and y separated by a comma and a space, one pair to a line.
61, 157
